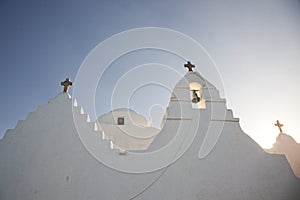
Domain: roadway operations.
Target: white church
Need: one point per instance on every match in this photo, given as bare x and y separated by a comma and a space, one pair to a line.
286, 145
200, 153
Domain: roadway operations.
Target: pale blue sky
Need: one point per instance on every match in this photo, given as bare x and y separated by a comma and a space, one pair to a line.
255, 44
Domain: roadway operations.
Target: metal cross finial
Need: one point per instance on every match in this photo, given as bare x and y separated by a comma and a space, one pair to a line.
279, 125
67, 83
190, 66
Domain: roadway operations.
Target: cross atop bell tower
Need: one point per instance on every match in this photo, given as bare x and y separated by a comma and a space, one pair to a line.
190, 66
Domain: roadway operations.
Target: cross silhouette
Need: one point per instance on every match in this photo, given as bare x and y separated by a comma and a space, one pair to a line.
279, 125
190, 66
67, 83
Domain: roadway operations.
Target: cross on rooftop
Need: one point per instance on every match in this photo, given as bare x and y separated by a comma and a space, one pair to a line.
67, 83
279, 126
190, 66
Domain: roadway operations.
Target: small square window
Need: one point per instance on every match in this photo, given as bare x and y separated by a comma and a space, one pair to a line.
121, 120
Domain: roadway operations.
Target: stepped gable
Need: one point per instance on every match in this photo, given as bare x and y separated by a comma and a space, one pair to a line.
45, 157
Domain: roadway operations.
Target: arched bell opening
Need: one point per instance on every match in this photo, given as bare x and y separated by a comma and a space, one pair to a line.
197, 100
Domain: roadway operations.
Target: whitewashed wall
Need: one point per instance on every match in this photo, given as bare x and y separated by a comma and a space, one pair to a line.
44, 157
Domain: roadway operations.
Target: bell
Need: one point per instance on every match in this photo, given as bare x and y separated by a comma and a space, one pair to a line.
196, 98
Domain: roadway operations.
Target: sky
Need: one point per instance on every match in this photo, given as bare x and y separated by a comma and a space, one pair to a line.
255, 45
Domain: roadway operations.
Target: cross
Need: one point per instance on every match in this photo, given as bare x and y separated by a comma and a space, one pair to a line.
67, 83
190, 66
279, 125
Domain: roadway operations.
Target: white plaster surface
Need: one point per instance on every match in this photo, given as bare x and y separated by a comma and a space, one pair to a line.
135, 134
286, 145
44, 158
